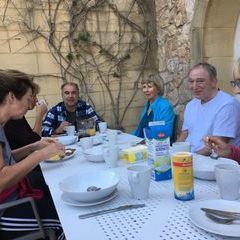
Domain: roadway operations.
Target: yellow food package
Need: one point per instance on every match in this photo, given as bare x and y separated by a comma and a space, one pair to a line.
135, 154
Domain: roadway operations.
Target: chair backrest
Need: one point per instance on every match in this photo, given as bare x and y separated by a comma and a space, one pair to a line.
38, 234
175, 129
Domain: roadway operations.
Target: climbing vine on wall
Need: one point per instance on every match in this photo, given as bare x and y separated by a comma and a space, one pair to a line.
105, 45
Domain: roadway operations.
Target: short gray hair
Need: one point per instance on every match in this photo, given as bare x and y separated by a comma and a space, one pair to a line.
156, 80
212, 72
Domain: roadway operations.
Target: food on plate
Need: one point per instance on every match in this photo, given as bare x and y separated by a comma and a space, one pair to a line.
68, 152
56, 157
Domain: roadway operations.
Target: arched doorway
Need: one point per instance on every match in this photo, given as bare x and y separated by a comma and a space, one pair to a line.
215, 36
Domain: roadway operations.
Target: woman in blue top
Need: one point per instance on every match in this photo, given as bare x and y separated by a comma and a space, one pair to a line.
156, 108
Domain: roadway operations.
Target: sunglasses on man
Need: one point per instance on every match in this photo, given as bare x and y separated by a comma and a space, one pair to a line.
235, 83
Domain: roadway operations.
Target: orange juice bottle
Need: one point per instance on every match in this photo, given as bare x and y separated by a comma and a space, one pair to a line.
183, 176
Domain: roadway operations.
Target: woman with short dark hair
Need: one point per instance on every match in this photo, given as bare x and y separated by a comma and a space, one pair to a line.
16, 89
26, 135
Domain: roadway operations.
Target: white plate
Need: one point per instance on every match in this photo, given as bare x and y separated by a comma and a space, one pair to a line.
67, 140
75, 203
198, 217
63, 159
203, 166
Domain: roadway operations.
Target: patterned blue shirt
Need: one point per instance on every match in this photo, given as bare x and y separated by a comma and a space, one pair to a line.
57, 114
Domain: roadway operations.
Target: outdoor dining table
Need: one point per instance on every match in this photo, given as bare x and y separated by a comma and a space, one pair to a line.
163, 217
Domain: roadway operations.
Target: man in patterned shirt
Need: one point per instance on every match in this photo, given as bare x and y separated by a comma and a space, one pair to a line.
67, 112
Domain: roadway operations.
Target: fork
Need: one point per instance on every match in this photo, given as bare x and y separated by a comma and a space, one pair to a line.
221, 213
213, 155
221, 219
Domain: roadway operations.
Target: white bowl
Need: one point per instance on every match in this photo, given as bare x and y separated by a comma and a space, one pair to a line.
67, 140
76, 186
94, 154
203, 166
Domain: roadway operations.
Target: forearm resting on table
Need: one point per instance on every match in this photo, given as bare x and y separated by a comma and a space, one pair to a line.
183, 136
60, 128
57, 131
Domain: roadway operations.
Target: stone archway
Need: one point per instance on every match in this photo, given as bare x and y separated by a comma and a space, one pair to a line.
236, 51
213, 36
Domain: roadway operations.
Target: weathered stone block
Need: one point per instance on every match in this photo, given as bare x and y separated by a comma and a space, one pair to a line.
215, 37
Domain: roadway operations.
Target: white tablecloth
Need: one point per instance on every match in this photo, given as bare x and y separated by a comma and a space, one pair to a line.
163, 218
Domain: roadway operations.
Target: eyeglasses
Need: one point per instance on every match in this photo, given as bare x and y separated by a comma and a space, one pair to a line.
235, 83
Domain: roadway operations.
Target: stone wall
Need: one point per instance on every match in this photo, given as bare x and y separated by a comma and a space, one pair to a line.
174, 45
188, 31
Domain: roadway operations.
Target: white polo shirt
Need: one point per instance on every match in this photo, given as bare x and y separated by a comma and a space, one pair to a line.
218, 117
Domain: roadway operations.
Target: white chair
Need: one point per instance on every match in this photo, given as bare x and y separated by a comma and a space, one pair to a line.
38, 234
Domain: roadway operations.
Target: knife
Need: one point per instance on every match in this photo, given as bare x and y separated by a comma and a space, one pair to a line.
221, 212
116, 209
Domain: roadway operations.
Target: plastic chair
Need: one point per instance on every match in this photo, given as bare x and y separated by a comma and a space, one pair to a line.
38, 234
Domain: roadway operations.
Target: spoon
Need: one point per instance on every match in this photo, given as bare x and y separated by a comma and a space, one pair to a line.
93, 189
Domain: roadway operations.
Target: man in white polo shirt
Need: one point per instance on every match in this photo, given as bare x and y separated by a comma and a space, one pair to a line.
210, 113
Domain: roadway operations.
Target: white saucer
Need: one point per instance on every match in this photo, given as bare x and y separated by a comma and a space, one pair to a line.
75, 203
62, 159
199, 218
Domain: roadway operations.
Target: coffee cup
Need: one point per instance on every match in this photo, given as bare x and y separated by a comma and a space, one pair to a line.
70, 130
228, 180
102, 127
110, 155
139, 178
42, 101
180, 147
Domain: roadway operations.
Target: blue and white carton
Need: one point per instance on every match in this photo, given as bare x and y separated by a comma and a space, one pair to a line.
158, 144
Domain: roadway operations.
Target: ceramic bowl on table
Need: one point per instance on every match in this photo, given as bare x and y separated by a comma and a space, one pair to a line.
94, 154
67, 140
203, 166
89, 186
